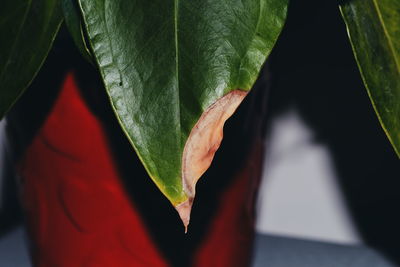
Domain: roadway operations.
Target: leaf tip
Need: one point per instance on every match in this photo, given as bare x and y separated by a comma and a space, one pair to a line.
204, 140
184, 209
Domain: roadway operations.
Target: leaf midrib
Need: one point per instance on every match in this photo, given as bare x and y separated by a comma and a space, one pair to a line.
176, 14
390, 42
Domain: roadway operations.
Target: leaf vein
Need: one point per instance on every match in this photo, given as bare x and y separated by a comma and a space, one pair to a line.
176, 12
390, 42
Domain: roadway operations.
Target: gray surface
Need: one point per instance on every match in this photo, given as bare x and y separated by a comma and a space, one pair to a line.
13, 249
270, 252
274, 251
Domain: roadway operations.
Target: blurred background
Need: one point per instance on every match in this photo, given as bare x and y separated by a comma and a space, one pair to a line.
330, 173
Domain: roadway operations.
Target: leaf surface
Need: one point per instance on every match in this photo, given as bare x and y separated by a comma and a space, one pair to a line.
374, 30
166, 64
27, 31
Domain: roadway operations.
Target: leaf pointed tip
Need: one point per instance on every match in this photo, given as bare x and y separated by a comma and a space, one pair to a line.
184, 209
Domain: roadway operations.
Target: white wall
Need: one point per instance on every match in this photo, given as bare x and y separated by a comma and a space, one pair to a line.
299, 195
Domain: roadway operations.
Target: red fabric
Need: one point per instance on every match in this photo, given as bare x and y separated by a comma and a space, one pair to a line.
230, 238
77, 210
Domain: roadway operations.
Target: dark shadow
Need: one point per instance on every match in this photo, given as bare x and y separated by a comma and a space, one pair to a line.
10, 210
343, 2
29, 113
24, 120
315, 72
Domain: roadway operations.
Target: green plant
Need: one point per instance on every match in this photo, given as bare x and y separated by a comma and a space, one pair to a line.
176, 70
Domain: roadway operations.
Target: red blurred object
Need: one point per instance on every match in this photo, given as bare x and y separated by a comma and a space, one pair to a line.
79, 213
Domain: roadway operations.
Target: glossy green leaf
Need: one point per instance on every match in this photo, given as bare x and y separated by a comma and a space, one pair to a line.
374, 31
165, 62
74, 24
27, 31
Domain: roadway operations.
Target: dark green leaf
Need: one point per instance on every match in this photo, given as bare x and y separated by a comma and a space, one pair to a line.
27, 31
74, 24
374, 31
167, 66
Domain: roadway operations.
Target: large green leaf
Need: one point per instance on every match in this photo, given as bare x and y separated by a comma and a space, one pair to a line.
27, 31
374, 31
175, 71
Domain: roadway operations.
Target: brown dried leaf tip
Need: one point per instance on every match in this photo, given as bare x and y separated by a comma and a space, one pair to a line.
204, 140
